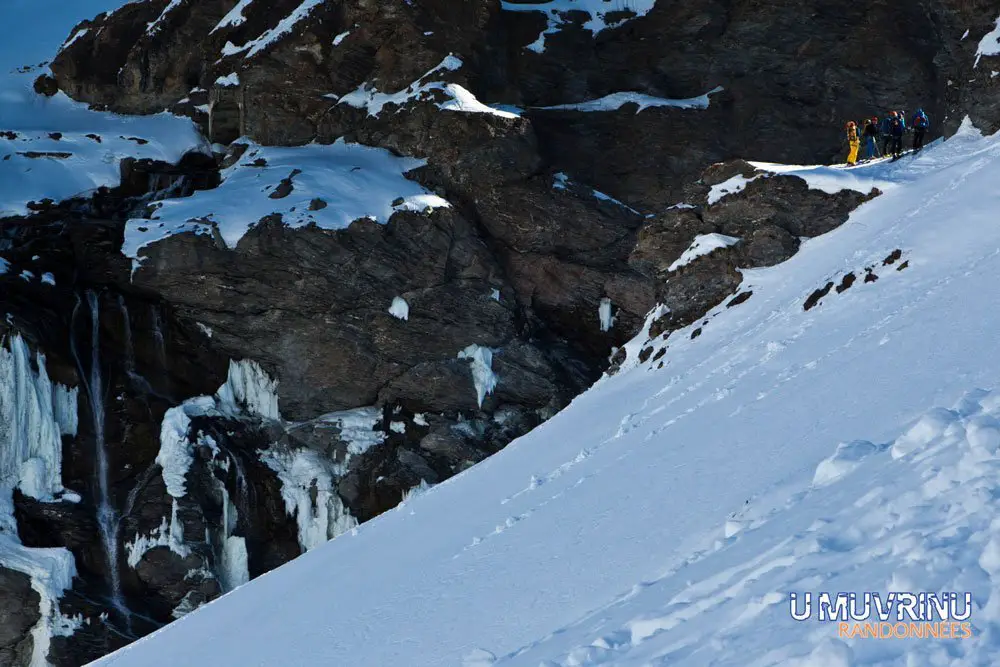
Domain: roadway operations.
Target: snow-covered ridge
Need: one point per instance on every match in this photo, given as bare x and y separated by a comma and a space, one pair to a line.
327, 185
882, 174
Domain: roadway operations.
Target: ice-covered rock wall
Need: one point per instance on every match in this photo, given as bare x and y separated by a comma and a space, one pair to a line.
34, 414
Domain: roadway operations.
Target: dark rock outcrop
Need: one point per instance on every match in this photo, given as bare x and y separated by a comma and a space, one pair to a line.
18, 614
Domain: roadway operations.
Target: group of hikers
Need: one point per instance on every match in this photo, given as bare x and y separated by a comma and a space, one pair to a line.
884, 137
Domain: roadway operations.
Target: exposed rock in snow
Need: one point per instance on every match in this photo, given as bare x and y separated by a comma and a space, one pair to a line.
399, 308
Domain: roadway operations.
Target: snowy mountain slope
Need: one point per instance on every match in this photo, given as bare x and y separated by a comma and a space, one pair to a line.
664, 516
54, 148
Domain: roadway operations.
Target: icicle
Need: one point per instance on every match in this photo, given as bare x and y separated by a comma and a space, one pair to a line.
483, 377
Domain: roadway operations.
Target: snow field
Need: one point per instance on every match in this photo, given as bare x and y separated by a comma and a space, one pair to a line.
663, 517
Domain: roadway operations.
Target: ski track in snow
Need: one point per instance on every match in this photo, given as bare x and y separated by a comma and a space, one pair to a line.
663, 517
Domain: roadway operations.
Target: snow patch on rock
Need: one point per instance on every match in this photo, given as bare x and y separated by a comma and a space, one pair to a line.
272, 35
616, 101
230, 80
989, 45
559, 13
399, 308
356, 181
703, 244
357, 428
728, 187
234, 18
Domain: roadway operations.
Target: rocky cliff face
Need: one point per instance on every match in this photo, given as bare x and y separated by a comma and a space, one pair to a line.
243, 397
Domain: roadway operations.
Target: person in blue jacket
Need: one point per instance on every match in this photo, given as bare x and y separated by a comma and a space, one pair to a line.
920, 123
897, 126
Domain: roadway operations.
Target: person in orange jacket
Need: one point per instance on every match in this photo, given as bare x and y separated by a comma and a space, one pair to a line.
853, 141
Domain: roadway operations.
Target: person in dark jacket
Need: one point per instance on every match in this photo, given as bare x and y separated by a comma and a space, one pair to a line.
920, 123
885, 134
896, 129
870, 135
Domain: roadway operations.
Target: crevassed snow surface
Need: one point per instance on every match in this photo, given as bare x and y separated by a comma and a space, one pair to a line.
703, 244
600, 537
354, 181
557, 13
616, 101
35, 165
